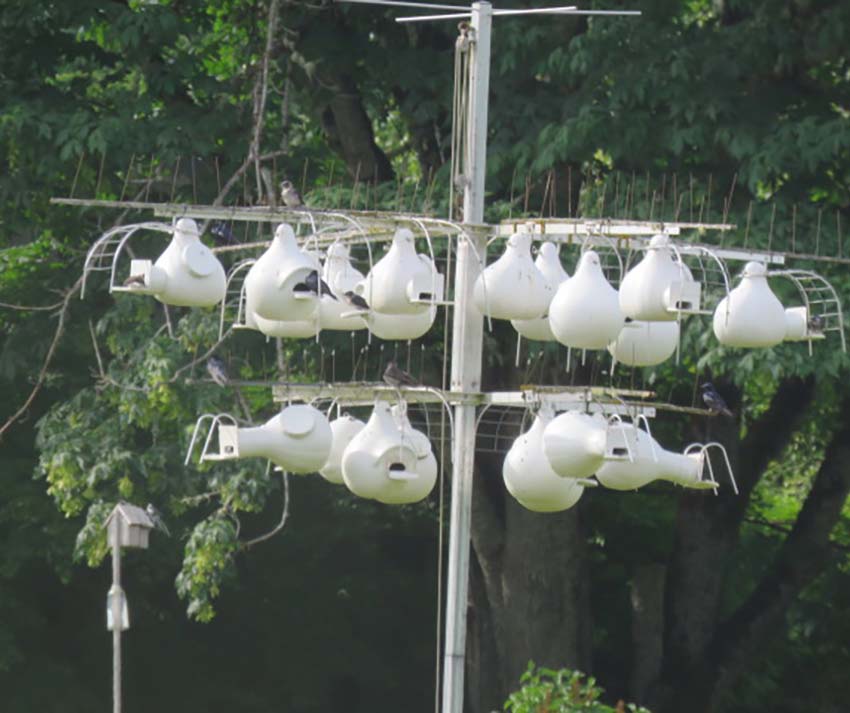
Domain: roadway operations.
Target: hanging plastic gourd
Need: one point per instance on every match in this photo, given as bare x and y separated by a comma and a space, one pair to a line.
530, 479
513, 287
298, 439
341, 276
287, 329
414, 489
343, 430
399, 326
384, 456
646, 288
585, 312
574, 444
645, 343
635, 458
750, 315
549, 263
402, 282
277, 285
187, 274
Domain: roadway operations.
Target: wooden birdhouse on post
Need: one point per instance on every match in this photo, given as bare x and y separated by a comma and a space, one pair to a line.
129, 526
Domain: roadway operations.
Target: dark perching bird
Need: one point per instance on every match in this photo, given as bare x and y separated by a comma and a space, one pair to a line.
156, 518
290, 196
222, 233
355, 300
315, 284
816, 323
396, 376
714, 401
217, 369
134, 280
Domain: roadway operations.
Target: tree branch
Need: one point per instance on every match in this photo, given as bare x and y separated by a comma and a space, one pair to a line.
802, 557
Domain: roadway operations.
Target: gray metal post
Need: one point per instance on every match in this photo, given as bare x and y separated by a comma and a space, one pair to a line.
116, 618
467, 341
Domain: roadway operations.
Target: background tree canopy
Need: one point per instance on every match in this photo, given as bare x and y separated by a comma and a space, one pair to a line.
699, 108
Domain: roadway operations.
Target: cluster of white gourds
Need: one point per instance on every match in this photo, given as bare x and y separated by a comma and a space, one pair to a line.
549, 466
639, 323
384, 459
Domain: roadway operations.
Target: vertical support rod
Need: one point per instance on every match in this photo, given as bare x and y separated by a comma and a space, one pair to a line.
467, 338
117, 600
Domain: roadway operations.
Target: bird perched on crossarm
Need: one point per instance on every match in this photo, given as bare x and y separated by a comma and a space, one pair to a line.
714, 401
217, 370
396, 376
355, 300
156, 518
290, 196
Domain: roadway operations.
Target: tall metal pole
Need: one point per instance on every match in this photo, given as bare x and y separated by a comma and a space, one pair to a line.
467, 341
117, 601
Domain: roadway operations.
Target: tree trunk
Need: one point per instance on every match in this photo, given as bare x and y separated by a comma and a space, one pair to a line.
349, 130
530, 597
647, 600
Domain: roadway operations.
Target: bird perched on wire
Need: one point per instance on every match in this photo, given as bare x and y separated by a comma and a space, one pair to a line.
315, 284
135, 280
355, 300
156, 519
816, 324
714, 401
217, 369
290, 196
396, 376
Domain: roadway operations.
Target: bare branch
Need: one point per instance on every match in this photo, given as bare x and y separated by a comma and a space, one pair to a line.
33, 308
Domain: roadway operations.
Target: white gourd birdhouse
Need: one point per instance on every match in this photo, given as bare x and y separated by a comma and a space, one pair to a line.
341, 276
298, 439
187, 274
343, 430
530, 479
645, 343
750, 315
549, 263
275, 287
396, 283
399, 326
574, 444
645, 289
412, 490
630, 459
380, 456
585, 312
513, 287
642, 460
291, 329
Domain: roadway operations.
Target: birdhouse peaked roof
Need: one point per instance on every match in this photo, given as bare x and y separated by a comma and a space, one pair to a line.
131, 514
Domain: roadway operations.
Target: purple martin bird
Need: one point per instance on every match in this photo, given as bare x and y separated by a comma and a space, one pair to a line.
355, 300
315, 284
134, 280
714, 401
290, 196
217, 369
816, 323
156, 518
222, 233
396, 376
